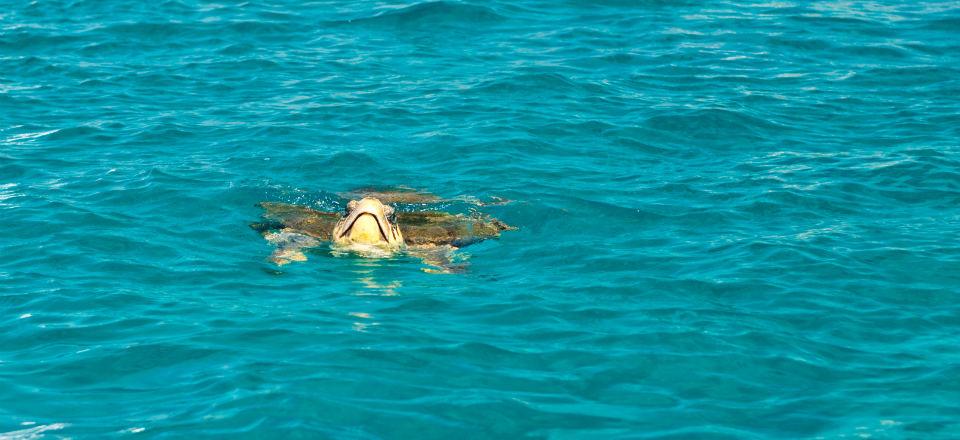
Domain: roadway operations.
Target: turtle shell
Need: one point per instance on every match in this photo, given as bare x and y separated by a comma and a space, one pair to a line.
390, 196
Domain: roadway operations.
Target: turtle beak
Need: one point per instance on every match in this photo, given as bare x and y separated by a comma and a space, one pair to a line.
364, 221
367, 222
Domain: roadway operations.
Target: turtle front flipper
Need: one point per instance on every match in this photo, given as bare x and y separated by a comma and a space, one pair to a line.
290, 245
292, 229
439, 258
284, 256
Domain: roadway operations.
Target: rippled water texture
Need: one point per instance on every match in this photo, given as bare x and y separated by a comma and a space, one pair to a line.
737, 220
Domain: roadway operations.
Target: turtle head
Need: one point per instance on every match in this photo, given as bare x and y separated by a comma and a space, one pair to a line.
368, 222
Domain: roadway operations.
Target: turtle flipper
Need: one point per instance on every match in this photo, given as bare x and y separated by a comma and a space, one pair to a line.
292, 229
290, 245
439, 259
281, 257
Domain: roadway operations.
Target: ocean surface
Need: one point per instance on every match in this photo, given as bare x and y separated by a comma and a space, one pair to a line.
737, 220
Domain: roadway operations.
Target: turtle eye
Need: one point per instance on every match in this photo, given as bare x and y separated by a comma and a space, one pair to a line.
352, 205
390, 213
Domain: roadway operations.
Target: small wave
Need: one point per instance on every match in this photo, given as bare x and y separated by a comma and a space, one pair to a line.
349, 160
431, 14
718, 125
256, 27
24, 137
808, 43
826, 20
31, 41
919, 75
33, 433
950, 24
878, 51
7, 88
238, 49
73, 133
626, 59
538, 84
150, 30
7, 192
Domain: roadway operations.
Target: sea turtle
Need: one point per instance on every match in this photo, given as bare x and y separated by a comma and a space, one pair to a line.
372, 227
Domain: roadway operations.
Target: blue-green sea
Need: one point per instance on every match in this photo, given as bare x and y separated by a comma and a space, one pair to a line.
736, 219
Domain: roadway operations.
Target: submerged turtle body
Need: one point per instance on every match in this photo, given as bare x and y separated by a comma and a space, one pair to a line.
373, 228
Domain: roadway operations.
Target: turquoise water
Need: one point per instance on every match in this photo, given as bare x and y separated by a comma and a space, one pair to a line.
737, 220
